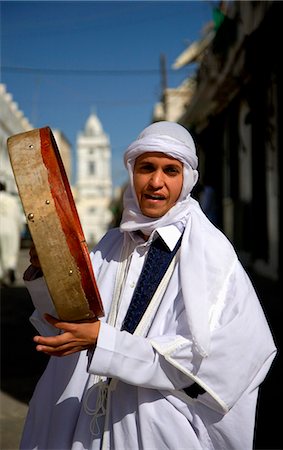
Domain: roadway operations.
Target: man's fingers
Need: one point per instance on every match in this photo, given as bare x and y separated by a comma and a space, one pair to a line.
62, 350
54, 341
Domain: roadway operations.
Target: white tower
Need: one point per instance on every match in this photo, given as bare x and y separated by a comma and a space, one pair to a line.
94, 182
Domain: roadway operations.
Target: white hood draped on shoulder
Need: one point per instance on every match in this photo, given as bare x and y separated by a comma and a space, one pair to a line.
207, 257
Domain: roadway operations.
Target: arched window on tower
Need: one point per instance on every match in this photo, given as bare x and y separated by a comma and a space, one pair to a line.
91, 167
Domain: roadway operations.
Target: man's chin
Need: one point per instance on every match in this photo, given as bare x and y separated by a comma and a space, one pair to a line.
153, 214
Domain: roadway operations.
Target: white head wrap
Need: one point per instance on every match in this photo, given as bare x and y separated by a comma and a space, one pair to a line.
206, 256
173, 140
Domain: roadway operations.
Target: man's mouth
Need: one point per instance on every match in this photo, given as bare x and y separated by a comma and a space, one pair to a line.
154, 197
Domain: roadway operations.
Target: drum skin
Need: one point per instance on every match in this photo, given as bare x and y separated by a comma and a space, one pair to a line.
54, 224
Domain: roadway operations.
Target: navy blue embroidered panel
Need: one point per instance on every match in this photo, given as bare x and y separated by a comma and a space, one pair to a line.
158, 260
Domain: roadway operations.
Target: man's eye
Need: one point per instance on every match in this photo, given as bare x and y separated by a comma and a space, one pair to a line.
172, 170
146, 168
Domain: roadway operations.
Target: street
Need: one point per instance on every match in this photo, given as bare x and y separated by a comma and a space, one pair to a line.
21, 365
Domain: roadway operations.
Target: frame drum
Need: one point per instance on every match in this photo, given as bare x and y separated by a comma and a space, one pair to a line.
54, 224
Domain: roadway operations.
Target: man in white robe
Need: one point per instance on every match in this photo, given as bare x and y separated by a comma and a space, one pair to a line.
11, 225
187, 376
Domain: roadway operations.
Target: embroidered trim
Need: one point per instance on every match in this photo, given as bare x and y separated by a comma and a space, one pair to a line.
197, 380
167, 355
122, 269
155, 266
144, 323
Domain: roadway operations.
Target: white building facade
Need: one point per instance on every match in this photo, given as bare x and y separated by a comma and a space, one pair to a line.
65, 151
94, 180
12, 121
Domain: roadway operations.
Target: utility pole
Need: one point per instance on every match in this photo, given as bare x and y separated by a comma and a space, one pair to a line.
163, 74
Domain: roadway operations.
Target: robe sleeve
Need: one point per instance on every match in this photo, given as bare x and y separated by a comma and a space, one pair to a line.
133, 359
43, 305
242, 346
242, 350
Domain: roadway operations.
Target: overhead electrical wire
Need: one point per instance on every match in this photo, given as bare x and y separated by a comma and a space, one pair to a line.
92, 72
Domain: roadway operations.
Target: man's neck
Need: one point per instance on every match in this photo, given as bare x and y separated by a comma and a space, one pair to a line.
144, 236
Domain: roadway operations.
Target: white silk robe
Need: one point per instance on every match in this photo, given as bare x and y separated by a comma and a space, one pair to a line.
144, 406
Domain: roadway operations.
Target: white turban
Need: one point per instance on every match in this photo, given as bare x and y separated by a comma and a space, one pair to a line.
173, 140
206, 256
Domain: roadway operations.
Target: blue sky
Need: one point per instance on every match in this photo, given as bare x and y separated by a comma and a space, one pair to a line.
62, 59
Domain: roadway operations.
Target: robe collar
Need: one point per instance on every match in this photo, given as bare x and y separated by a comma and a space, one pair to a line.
170, 235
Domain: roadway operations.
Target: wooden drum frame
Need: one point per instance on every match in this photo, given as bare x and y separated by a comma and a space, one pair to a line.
54, 224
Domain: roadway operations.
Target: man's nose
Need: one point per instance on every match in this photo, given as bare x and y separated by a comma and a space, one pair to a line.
157, 179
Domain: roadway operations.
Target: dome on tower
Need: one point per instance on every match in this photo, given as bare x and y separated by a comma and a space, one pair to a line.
93, 126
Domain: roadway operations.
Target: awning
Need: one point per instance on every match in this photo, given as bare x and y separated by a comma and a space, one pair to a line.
194, 52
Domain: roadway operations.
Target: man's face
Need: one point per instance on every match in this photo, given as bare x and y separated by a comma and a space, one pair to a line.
158, 181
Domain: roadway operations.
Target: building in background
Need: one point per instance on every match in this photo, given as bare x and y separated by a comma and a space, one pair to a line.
12, 121
174, 101
93, 190
235, 115
94, 180
65, 150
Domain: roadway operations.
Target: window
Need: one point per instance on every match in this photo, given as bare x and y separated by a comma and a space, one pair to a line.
91, 167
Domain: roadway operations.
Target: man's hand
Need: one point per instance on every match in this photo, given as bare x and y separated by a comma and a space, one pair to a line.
75, 337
